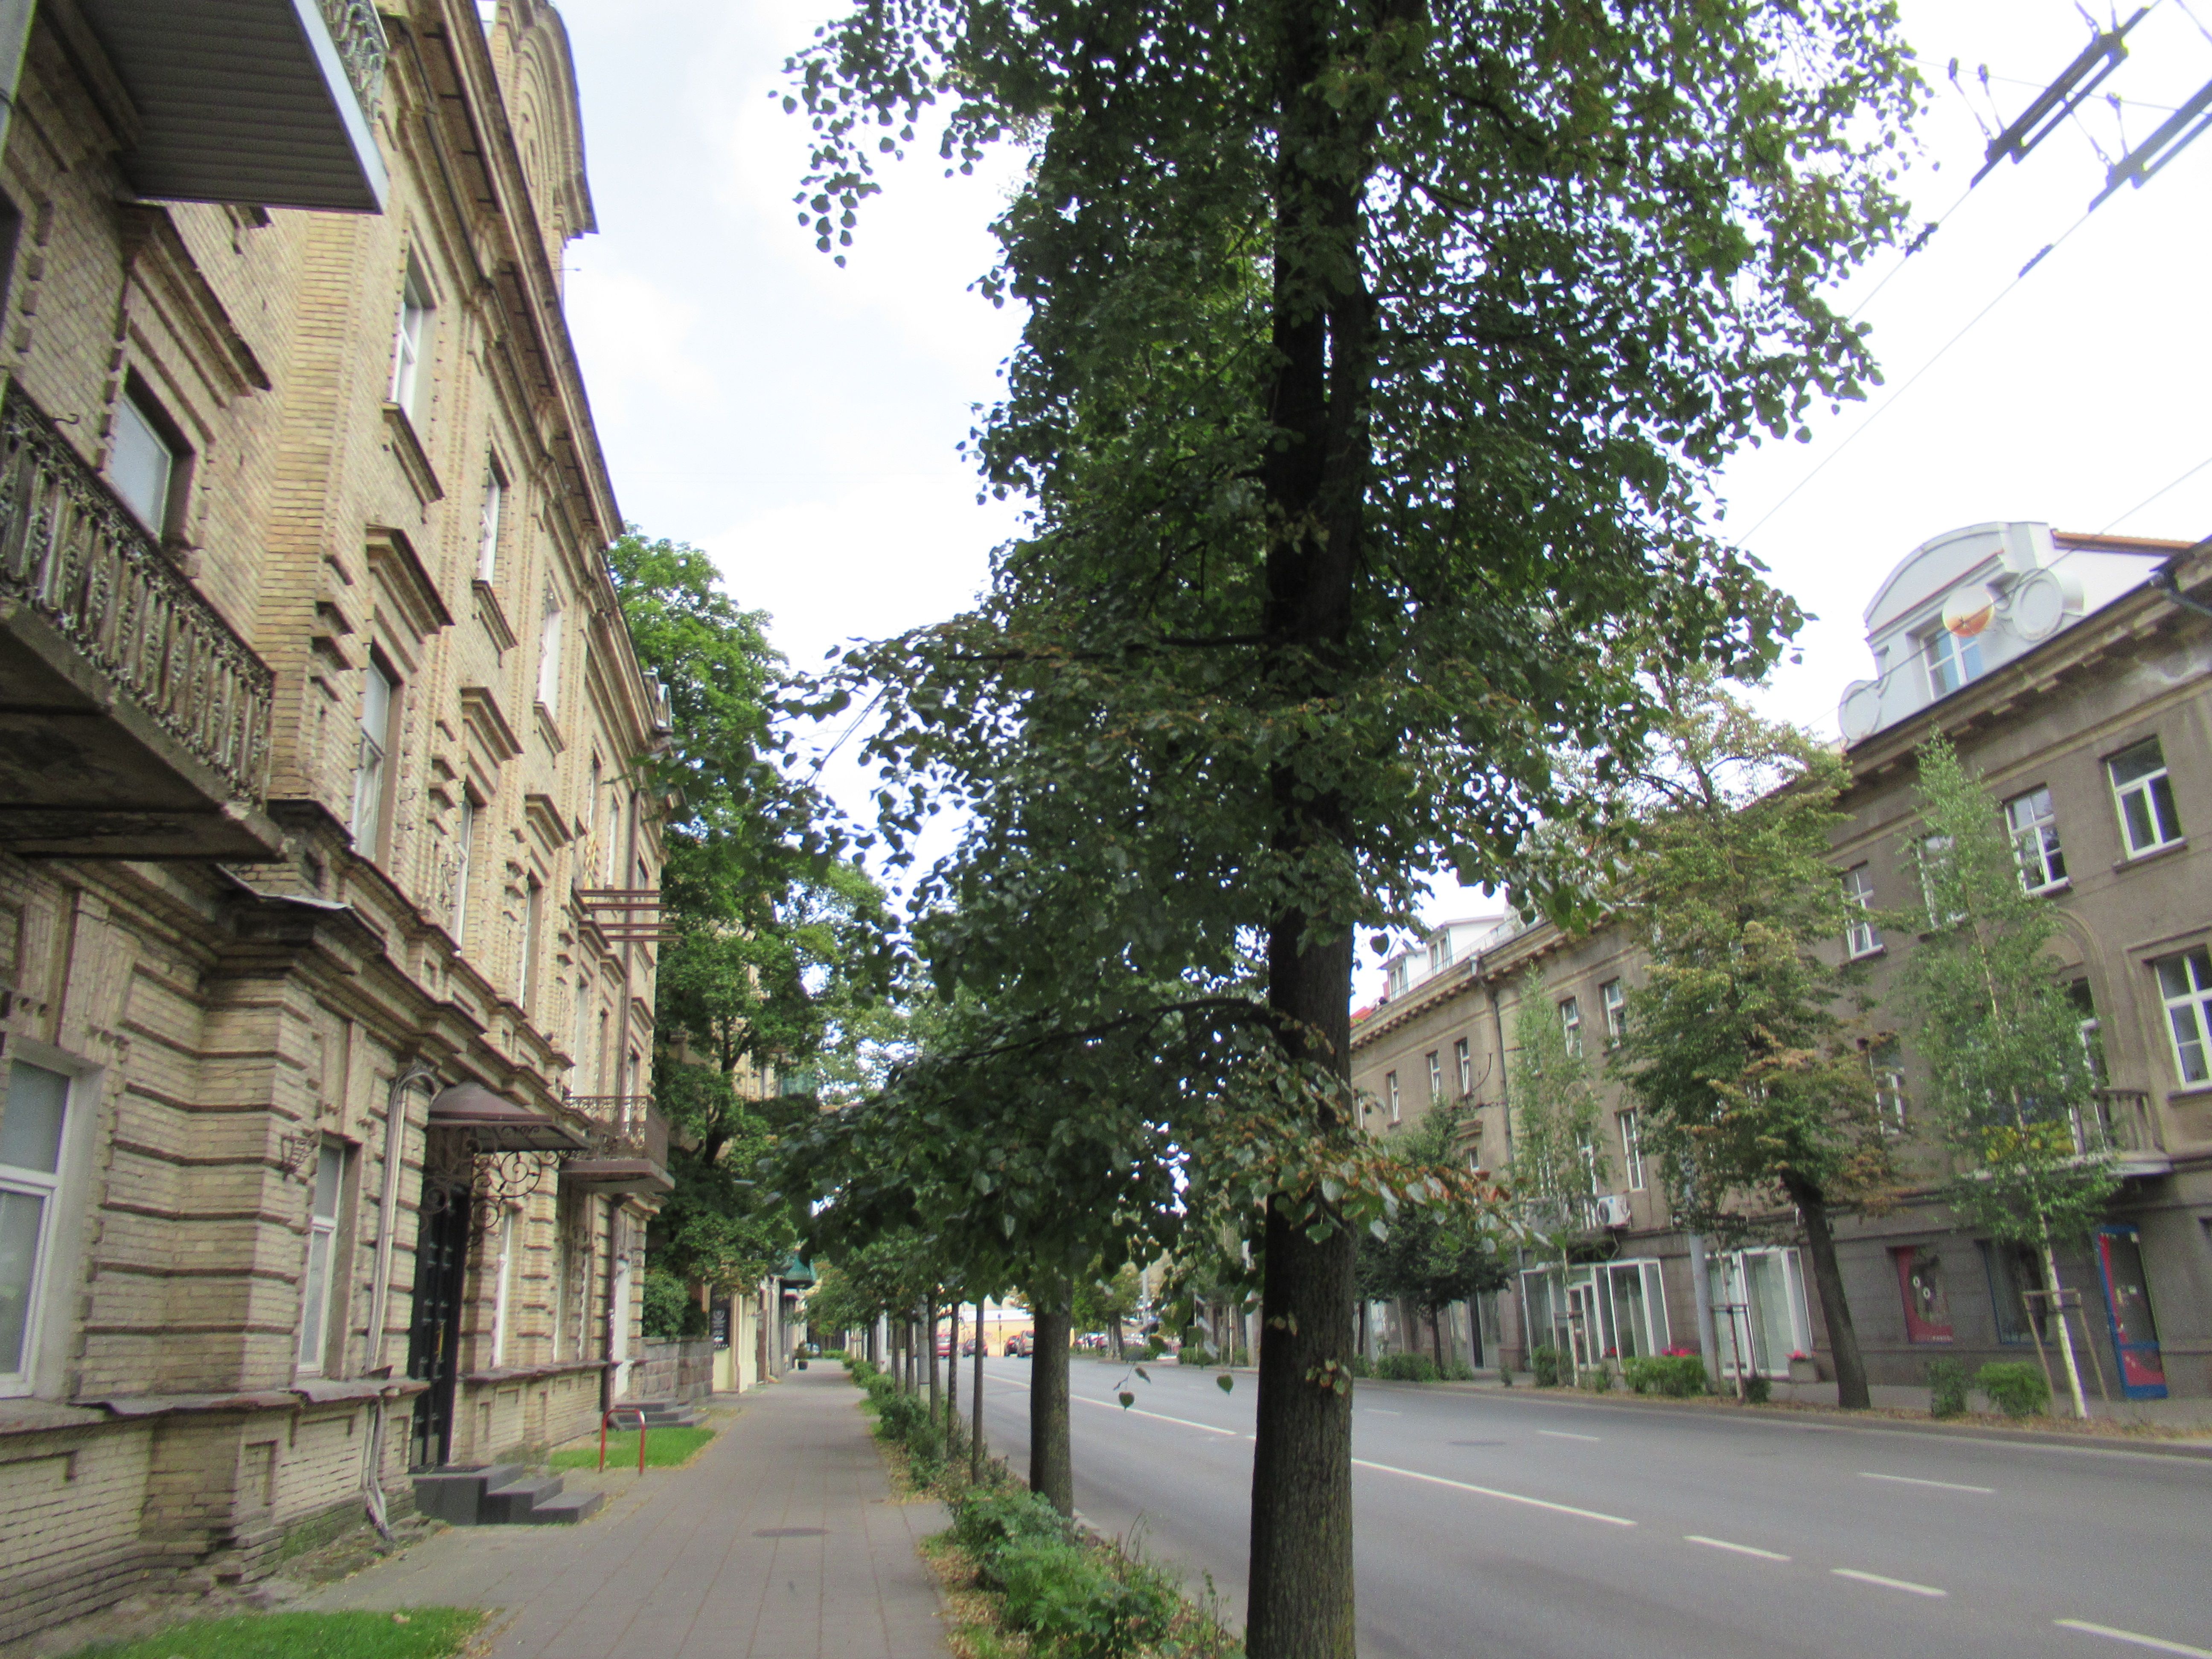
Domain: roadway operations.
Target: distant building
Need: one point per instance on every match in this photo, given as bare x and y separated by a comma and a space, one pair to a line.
2062, 670
327, 878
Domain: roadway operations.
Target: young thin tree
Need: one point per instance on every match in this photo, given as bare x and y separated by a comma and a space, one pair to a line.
1432, 1256
1742, 1046
2010, 1080
1377, 355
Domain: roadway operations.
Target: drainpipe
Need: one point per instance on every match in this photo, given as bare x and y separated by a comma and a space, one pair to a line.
380, 1296
2163, 579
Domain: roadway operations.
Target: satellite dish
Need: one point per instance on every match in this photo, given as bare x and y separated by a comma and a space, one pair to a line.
1969, 611
2040, 603
1860, 713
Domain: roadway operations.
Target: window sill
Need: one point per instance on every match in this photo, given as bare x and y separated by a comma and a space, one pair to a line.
1868, 955
2189, 1093
548, 727
2151, 854
2052, 889
406, 448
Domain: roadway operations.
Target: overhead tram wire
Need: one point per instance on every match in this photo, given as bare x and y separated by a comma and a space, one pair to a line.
2161, 491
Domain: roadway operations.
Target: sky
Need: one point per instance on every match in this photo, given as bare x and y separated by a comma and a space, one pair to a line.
798, 421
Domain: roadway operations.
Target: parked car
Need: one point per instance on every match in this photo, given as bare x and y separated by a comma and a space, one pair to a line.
944, 1345
1018, 1347
967, 1347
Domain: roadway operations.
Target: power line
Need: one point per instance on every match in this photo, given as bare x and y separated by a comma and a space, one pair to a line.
2154, 495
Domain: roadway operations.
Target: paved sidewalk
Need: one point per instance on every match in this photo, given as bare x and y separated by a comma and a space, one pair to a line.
779, 1542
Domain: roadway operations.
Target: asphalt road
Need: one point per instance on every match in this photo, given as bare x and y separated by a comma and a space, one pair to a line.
1520, 1526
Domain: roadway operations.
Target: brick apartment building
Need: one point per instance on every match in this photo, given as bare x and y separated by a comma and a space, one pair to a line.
326, 960
2082, 687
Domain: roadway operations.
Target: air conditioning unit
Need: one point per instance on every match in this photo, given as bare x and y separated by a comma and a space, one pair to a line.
1612, 1210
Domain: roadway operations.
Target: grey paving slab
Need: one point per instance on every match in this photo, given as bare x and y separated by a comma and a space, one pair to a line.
682, 1563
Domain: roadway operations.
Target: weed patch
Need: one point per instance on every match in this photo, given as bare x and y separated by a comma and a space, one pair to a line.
664, 1449
417, 1633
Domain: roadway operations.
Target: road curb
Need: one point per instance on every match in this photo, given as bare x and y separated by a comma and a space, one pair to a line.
1829, 1422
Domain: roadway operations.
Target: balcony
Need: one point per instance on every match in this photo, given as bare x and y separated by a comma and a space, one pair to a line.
629, 1152
2121, 1123
266, 102
133, 723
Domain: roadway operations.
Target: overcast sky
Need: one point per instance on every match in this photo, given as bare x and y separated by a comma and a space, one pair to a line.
798, 421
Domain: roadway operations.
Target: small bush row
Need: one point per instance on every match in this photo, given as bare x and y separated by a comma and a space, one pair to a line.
1074, 1598
2014, 1386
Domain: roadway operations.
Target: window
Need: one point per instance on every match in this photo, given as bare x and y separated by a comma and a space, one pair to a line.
2091, 1028
613, 838
1952, 661
2144, 795
533, 907
549, 653
1465, 1068
369, 769
2185, 982
1440, 952
30, 1140
464, 835
2015, 1288
1860, 939
488, 530
412, 344
1927, 1302
1887, 1066
1616, 1012
579, 1043
502, 1285
1390, 1095
1435, 1077
1631, 1150
1935, 855
322, 1252
142, 461
2035, 829
1570, 1023
1397, 981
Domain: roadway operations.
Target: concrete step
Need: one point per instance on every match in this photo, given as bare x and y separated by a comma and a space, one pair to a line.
658, 1413
515, 1503
455, 1494
568, 1509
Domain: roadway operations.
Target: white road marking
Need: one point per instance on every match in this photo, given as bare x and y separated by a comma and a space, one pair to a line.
1905, 1584
1740, 1549
1158, 1417
1376, 1411
1914, 1481
2153, 1643
1492, 1491
1561, 1434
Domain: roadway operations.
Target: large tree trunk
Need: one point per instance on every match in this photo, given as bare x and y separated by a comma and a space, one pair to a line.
1052, 1467
1835, 1307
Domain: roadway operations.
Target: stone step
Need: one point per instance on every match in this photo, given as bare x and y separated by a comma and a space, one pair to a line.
568, 1509
455, 1494
658, 1413
515, 1503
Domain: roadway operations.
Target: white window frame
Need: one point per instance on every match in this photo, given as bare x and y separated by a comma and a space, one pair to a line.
487, 525
1465, 1056
1953, 663
2033, 822
371, 765
548, 651
501, 1297
1436, 1076
319, 1274
2153, 789
1931, 853
464, 835
1570, 1024
50, 1190
1860, 936
2185, 986
1440, 953
579, 1074
1889, 1102
1615, 1002
1390, 1095
1631, 1149
134, 438
410, 344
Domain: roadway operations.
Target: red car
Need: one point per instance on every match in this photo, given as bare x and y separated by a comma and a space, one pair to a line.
1018, 1347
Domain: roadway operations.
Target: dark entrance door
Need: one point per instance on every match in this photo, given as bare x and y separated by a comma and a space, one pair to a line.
441, 1252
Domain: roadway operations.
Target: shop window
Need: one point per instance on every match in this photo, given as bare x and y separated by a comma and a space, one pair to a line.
1927, 1302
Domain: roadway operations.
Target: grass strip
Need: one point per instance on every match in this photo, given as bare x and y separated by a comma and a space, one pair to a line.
416, 1633
664, 1449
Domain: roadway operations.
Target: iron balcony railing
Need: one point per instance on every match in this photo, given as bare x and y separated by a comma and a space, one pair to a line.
76, 557
358, 33
623, 1126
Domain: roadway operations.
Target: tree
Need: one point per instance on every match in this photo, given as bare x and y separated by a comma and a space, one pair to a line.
1432, 1256
1743, 1050
776, 951
2010, 1080
1559, 1157
1107, 1303
1377, 357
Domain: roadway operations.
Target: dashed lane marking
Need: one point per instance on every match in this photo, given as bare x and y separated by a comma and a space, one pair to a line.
1735, 1549
1492, 1491
1561, 1434
2156, 1645
1915, 1480
1904, 1584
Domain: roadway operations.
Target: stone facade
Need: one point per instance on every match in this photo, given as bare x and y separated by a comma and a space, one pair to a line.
256, 931
2098, 677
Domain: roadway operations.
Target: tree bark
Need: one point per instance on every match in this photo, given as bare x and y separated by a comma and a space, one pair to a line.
1835, 1307
1437, 1334
1052, 1467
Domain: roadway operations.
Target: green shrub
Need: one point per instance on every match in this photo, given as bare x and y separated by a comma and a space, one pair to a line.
986, 1519
1544, 1366
1947, 1387
1075, 1605
1757, 1389
1675, 1375
1194, 1353
1407, 1368
1458, 1370
668, 1308
898, 1413
1362, 1366
1505, 1377
2014, 1387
